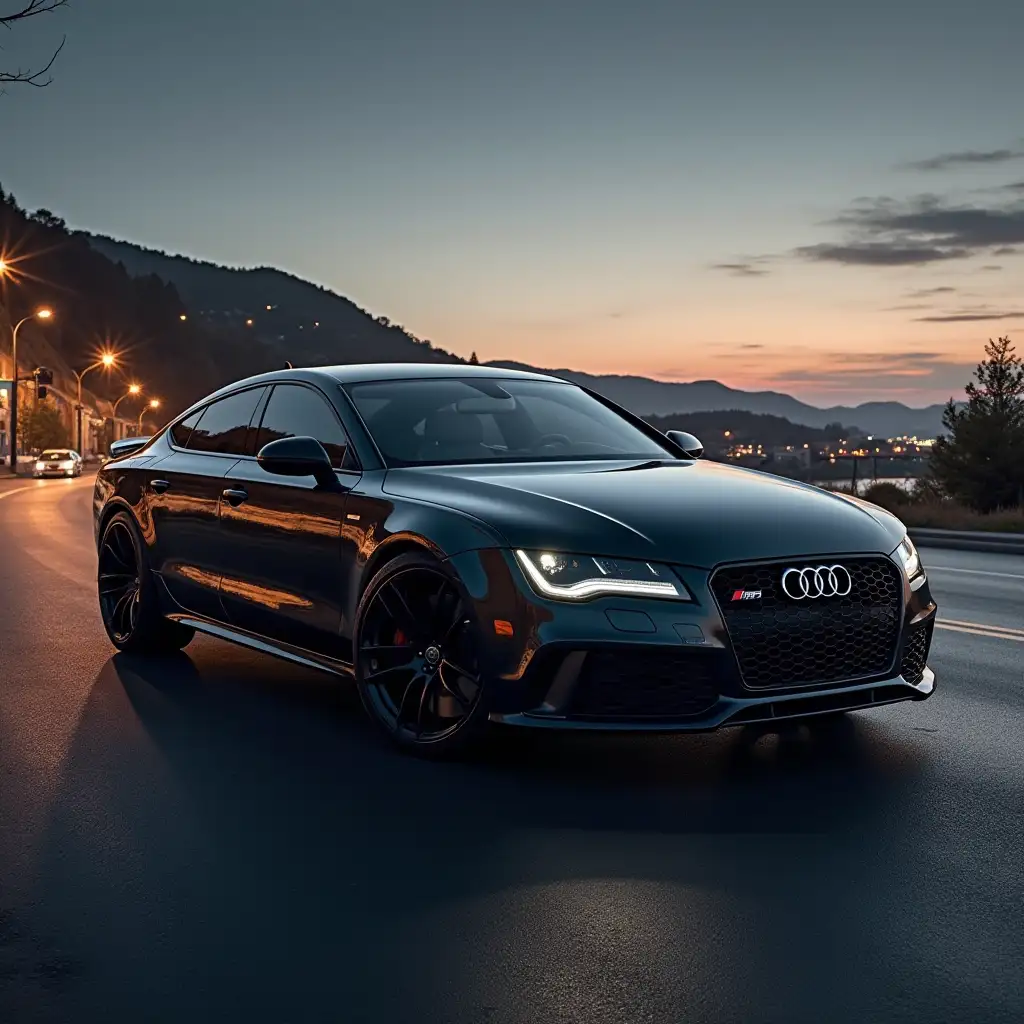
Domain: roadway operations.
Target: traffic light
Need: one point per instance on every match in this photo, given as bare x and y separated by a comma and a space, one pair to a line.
44, 378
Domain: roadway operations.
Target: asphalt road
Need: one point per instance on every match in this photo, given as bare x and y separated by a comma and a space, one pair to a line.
220, 837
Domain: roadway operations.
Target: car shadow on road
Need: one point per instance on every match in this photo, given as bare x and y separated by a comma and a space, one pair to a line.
253, 715
230, 818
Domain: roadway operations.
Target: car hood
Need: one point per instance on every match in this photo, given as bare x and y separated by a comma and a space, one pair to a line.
691, 513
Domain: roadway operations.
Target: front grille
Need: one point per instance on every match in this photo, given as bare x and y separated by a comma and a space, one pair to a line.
666, 684
915, 652
779, 642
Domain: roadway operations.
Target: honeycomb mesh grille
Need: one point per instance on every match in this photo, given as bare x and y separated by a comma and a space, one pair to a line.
657, 684
915, 652
780, 643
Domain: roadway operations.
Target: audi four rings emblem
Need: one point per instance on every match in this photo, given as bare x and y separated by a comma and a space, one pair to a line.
817, 581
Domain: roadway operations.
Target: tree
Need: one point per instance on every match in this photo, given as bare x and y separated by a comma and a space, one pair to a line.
40, 427
473, 361
981, 460
30, 9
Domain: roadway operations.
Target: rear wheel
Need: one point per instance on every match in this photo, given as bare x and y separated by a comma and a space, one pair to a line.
417, 658
129, 604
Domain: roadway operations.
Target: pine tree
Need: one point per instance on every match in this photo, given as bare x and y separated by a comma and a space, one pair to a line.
473, 361
980, 462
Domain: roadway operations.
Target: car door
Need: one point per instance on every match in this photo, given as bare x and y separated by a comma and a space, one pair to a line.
282, 535
184, 495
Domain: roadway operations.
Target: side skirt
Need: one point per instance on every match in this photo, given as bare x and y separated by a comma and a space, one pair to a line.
296, 655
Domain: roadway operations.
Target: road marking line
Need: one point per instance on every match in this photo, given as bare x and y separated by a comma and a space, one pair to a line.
15, 490
1013, 630
981, 632
975, 572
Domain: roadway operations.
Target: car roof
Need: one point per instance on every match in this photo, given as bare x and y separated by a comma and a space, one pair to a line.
353, 373
358, 373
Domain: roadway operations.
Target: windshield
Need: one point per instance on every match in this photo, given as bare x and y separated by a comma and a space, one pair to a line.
430, 422
54, 456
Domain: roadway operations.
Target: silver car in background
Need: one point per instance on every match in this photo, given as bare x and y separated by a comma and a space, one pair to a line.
57, 462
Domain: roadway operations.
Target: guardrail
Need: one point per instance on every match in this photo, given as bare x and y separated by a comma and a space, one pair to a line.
965, 540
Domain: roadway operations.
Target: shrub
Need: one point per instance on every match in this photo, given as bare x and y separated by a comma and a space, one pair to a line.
889, 496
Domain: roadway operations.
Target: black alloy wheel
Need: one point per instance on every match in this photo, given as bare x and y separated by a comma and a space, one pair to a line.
417, 666
119, 581
129, 605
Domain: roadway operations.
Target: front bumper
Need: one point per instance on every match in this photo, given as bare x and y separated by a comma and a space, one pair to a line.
672, 662
40, 474
743, 710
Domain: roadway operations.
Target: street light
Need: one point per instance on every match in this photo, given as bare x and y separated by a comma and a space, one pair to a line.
154, 403
133, 390
106, 361
43, 313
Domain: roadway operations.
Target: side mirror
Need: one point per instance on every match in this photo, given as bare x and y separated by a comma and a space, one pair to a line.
687, 442
296, 456
127, 446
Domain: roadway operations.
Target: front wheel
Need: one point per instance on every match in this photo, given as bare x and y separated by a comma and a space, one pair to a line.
417, 658
129, 604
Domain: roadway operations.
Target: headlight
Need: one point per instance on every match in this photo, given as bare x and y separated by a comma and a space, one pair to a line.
67, 465
40, 466
908, 555
581, 577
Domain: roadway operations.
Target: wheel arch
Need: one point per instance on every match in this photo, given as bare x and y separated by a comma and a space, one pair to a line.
113, 506
390, 549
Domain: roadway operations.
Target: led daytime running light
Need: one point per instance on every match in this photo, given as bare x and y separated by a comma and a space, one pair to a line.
583, 589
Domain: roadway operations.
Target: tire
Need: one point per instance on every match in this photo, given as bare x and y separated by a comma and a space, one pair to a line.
128, 598
426, 692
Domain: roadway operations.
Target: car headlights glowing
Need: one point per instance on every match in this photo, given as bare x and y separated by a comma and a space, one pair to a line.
67, 465
581, 577
40, 466
908, 555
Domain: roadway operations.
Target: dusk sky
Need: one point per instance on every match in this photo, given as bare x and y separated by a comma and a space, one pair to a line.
820, 198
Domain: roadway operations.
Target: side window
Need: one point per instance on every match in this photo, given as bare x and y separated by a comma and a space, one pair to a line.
224, 426
182, 431
295, 411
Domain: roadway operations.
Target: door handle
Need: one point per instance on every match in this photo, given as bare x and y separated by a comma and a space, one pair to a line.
234, 495
160, 485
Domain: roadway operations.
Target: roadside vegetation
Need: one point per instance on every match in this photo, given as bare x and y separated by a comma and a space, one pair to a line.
975, 477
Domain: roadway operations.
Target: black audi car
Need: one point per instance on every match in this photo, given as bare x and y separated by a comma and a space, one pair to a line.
474, 544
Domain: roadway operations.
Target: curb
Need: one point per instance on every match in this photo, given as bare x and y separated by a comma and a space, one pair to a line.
964, 540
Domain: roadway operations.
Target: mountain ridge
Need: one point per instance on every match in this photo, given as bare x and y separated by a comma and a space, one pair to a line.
649, 397
310, 324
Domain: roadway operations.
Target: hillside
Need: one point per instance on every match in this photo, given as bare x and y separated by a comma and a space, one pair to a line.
305, 324
662, 398
743, 427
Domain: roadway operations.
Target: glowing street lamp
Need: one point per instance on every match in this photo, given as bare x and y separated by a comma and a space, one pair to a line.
43, 313
105, 361
153, 403
133, 390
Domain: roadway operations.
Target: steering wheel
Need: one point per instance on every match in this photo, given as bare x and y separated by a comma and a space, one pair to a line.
546, 439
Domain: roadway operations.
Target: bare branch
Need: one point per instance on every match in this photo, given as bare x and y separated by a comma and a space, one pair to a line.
33, 77
31, 9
